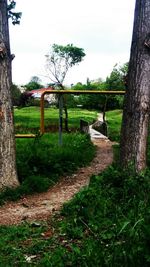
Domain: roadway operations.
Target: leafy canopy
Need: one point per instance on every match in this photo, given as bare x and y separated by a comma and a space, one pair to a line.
60, 59
15, 16
117, 78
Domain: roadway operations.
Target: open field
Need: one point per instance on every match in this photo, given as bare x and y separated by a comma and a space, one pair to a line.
27, 120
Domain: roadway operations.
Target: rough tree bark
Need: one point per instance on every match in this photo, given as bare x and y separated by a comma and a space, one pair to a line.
136, 112
8, 176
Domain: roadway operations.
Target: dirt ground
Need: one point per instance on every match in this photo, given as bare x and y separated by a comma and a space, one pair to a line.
41, 206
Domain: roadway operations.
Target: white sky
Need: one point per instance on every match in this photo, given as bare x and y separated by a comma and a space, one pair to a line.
103, 28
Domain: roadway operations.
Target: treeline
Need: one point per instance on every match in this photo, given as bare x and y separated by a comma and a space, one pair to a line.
115, 81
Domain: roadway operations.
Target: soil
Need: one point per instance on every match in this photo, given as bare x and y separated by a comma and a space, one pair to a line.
40, 207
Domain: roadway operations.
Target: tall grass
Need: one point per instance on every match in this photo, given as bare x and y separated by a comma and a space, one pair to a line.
40, 162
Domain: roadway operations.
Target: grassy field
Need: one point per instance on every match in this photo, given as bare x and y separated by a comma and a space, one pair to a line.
104, 225
27, 120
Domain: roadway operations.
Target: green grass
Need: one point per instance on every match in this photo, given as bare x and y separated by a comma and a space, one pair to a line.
104, 225
40, 162
114, 118
27, 120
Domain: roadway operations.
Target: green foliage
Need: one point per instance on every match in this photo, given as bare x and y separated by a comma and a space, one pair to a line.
15, 16
111, 221
116, 79
41, 162
16, 244
45, 156
113, 82
113, 119
69, 52
26, 99
60, 59
106, 224
16, 94
33, 85
91, 101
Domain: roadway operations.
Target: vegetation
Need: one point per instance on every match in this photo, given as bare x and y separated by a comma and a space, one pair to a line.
113, 119
16, 95
27, 120
41, 162
34, 84
60, 59
106, 224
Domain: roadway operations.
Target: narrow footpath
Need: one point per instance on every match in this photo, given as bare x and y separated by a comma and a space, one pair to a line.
41, 206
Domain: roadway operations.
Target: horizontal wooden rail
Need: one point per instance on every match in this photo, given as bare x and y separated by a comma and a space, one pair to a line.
25, 135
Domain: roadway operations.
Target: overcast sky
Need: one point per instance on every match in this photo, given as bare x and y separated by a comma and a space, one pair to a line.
103, 28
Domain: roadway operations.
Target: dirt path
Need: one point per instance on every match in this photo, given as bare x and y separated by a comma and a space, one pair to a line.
41, 206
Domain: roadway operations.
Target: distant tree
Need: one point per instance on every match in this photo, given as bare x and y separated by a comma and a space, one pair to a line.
34, 84
8, 174
58, 62
136, 112
36, 79
116, 80
16, 94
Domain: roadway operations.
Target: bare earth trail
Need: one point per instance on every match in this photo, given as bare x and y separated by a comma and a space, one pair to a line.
42, 206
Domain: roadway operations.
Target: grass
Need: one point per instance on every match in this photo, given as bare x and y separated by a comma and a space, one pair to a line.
114, 118
42, 161
104, 225
27, 120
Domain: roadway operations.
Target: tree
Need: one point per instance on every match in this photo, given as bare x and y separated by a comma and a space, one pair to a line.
116, 79
34, 84
16, 94
8, 175
137, 99
58, 62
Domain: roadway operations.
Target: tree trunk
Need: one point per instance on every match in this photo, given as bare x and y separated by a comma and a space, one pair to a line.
66, 115
65, 109
8, 176
134, 130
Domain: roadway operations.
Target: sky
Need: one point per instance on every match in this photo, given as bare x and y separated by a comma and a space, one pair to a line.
103, 28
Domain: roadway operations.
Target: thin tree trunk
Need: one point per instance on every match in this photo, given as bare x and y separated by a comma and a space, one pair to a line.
66, 115
65, 109
8, 176
135, 121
